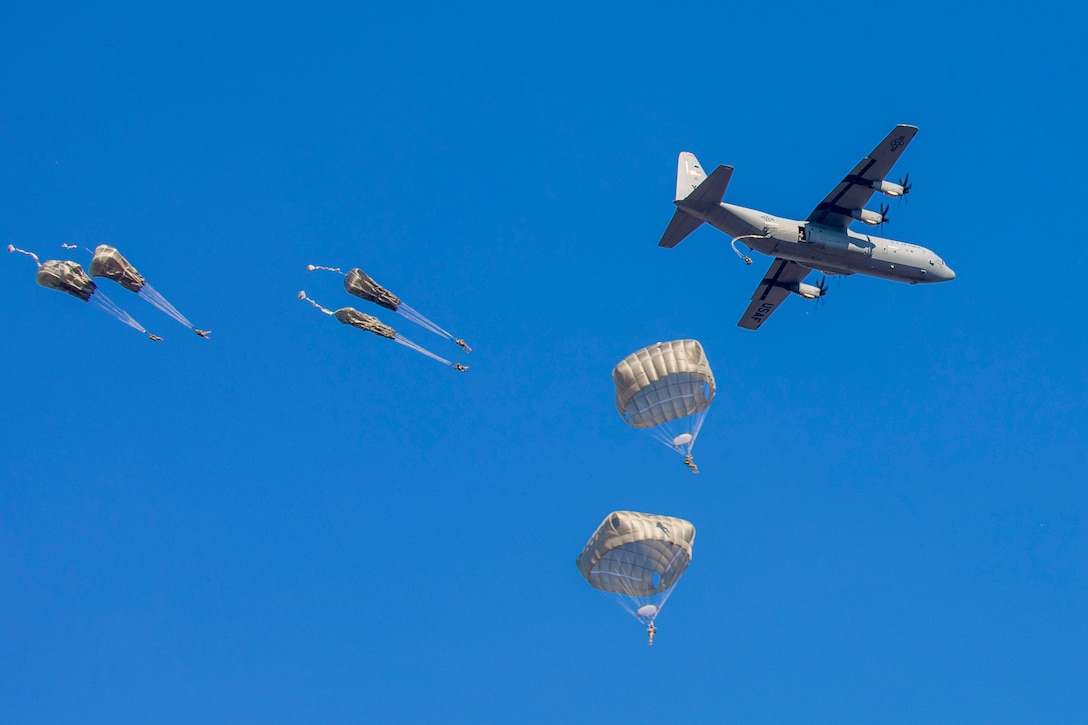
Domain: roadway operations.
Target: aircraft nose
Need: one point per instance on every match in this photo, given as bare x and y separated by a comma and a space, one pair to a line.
948, 273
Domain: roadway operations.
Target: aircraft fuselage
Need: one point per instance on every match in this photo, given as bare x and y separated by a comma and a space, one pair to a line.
828, 249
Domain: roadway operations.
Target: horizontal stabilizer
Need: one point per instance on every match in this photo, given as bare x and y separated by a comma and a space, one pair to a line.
696, 194
681, 225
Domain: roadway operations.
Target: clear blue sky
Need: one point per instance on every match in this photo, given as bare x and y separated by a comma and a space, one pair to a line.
299, 522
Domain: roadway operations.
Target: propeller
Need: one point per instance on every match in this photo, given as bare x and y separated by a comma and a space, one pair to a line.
822, 286
905, 183
884, 214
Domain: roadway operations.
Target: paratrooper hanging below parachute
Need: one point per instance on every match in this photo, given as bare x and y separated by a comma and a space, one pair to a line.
69, 277
368, 323
666, 389
358, 283
638, 558
109, 263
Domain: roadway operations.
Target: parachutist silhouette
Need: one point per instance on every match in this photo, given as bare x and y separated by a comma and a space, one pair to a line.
651, 631
154, 338
459, 366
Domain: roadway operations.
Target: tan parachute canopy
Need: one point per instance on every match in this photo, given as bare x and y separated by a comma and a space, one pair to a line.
666, 389
365, 322
358, 283
639, 558
109, 263
66, 277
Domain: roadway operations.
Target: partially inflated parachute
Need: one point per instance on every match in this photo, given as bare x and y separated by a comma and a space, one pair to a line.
109, 263
358, 283
68, 277
666, 389
639, 558
368, 323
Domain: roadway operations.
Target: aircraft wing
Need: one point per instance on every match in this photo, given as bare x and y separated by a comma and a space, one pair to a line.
774, 288
854, 191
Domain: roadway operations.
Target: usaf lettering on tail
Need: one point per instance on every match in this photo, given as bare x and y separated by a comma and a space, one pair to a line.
823, 241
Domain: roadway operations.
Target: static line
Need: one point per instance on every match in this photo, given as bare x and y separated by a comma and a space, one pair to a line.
302, 296
13, 248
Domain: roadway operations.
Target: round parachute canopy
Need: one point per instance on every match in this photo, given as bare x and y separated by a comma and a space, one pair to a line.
639, 558
108, 262
666, 389
357, 282
67, 277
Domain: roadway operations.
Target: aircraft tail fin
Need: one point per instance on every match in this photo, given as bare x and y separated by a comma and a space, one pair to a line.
689, 174
695, 192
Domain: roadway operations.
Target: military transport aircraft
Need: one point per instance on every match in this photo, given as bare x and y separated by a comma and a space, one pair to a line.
822, 242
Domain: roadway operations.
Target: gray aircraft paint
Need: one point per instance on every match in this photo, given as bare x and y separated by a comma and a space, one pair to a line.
823, 242
826, 249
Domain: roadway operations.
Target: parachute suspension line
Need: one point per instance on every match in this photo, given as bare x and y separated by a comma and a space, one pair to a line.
422, 321
680, 435
697, 424
419, 348
644, 609
672, 561
153, 296
302, 296
411, 314
111, 308
13, 248
312, 267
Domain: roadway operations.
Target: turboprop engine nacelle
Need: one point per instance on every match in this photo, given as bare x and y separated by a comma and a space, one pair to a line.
808, 291
872, 218
888, 188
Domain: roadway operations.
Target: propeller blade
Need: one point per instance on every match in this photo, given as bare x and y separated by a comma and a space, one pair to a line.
822, 286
